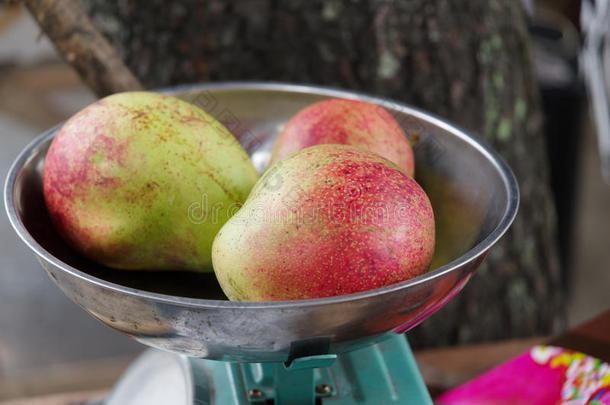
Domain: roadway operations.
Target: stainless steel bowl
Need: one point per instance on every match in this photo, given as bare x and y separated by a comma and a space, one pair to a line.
473, 192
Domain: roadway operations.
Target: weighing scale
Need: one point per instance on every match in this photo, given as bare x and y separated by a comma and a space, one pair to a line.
348, 349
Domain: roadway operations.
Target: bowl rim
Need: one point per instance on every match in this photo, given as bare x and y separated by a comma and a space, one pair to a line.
480, 249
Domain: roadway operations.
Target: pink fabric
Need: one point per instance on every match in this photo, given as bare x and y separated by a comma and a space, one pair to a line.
544, 375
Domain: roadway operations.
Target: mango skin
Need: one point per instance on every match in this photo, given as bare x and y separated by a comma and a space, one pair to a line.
326, 221
144, 181
346, 122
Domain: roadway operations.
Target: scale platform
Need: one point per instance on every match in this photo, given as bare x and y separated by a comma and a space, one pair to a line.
339, 350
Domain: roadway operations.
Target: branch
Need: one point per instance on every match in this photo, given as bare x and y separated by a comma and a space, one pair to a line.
83, 46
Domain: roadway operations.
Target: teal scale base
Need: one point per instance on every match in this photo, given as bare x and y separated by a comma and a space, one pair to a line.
383, 373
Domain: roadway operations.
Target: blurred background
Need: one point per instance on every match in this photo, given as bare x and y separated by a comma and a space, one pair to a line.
47, 344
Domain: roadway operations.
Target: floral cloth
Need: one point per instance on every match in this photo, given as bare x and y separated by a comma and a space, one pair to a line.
544, 375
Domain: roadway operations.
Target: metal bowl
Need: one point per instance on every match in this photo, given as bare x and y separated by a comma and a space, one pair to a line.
473, 192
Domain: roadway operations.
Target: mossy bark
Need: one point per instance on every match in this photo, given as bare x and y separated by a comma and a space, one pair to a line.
467, 61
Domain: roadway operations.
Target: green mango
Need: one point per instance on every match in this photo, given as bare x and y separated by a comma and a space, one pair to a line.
144, 181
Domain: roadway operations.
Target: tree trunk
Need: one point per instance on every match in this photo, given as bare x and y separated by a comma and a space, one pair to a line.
467, 61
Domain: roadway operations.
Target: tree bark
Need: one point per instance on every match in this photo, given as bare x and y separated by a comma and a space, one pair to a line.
467, 61
83, 46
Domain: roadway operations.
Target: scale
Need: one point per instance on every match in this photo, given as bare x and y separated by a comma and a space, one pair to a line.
348, 349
